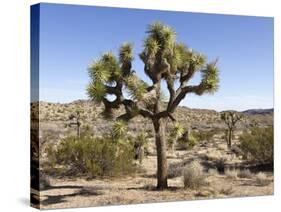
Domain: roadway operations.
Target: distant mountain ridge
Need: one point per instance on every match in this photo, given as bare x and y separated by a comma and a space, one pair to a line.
252, 111
259, 111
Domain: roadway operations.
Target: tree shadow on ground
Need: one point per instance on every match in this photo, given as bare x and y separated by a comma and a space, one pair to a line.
54, 199
148, 175
154, 188
61, 187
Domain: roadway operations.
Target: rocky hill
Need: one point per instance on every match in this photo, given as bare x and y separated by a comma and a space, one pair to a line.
54, 118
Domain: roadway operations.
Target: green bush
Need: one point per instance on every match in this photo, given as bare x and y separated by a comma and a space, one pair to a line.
95, 156
205, 135
257, 144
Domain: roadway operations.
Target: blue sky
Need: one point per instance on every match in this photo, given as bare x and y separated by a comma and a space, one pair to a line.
72, 36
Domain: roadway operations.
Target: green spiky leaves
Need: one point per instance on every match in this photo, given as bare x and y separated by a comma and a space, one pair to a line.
210, 78
98, 72
126, 53
151, 46
96, 91
177, 131
119, 129
106, 69
103, 72
162, 34
135, 87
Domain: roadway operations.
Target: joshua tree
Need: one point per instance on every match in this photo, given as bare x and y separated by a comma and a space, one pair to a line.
76, 121
165, 60
230, 119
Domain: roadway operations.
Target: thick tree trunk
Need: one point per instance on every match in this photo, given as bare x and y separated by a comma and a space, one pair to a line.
162, 172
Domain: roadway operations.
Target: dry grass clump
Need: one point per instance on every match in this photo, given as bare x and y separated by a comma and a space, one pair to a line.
245, 173
149, 185
174, 170
235, 173
231, 173
226, 191
213, 172
193, 175
261, 179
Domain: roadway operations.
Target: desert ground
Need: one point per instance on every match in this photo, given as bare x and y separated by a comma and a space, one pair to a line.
140, 188
223, 167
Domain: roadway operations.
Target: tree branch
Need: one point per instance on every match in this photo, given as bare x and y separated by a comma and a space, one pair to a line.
180, 95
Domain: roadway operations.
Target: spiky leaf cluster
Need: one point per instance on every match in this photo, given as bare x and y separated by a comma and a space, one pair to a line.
165, 58
176, 132
96, 91
106, 69
119, 129
210, 79
126, 53
135, 87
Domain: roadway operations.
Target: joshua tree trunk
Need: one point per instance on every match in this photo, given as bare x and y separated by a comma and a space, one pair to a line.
229, 138
78, 131
141, 154
159, 128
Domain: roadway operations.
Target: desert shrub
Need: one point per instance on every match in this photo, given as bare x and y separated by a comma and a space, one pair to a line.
261, 179
94, 156
174, 170
187, 142
231, 173
213, 172
193, 175
257, 144
245, 173
205, 135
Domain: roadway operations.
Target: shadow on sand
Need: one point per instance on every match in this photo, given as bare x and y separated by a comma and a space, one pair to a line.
54, 199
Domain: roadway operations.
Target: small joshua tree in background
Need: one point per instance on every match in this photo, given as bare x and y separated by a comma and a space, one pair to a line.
75, 118
139, 145
119, 130
176, 133
165, 60
230, 119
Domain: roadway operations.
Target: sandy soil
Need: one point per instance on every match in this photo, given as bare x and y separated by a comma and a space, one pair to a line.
65, 193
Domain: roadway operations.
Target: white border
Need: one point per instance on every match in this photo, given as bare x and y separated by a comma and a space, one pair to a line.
14, 111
